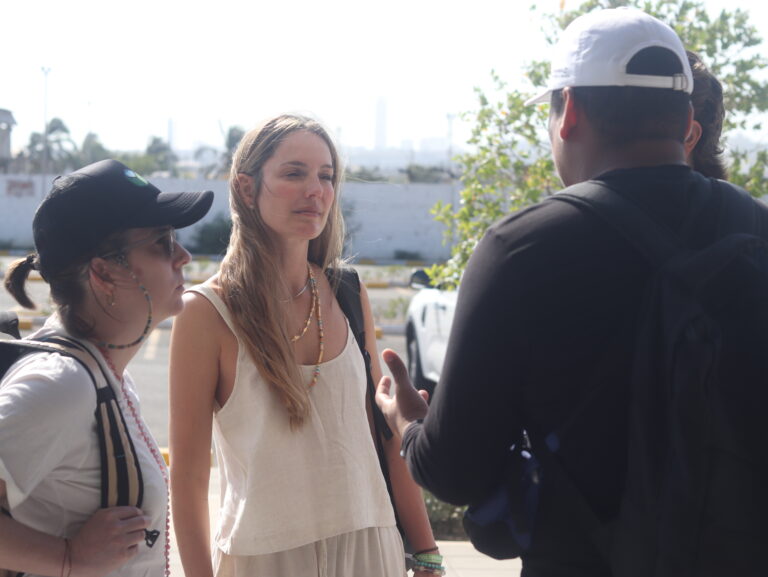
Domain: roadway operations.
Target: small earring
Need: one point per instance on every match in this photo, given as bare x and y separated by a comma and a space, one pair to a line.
111, 300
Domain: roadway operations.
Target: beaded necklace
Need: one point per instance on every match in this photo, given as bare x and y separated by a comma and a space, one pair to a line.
316, 298
310, 281
151, 445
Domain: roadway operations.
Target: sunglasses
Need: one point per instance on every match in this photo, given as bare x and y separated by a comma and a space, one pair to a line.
165, 241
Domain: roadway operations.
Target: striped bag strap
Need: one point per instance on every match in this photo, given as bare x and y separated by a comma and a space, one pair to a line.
121, 479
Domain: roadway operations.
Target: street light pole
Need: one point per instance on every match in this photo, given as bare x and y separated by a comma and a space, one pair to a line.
449, 117
46, 70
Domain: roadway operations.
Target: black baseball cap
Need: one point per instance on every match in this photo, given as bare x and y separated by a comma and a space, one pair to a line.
85, 207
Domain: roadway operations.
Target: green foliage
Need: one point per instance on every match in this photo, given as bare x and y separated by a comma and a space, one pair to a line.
57, 153
727, 41
158, 157
444, 518
403, 254
52, 153
234, 136
216, 164
750, 173
92, 150
212, 236
421, 173
395, 309
141, 163
509, 166
162, 155
363, 174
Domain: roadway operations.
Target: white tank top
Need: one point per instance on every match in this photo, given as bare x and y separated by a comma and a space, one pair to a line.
280, 488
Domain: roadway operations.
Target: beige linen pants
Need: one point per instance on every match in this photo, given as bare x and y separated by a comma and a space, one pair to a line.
371, 552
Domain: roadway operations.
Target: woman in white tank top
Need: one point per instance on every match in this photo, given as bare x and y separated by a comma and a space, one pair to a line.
263, 361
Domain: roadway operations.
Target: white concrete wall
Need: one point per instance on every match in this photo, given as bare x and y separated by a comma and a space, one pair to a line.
384, 217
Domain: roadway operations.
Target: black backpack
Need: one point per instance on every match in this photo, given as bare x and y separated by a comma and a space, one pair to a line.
348, 297
695, 500
347, 285
121, 479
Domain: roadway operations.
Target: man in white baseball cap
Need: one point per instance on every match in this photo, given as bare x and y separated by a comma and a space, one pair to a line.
547, 329
597, 47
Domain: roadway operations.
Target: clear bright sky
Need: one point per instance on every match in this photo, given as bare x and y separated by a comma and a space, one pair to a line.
131, 70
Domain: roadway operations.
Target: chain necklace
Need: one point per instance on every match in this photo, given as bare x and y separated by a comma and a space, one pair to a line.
152, 446
106, 345
298, 294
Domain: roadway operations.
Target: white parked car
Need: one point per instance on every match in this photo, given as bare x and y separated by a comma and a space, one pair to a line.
428, 325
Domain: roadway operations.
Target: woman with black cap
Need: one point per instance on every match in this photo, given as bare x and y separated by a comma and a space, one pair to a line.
105, 243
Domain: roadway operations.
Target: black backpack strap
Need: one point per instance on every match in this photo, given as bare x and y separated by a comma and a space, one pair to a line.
629, 220
348, 297
121, 479
739, 216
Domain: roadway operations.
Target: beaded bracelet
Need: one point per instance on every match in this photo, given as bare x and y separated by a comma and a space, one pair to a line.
423, 569
429, 563
435, 548
428, 558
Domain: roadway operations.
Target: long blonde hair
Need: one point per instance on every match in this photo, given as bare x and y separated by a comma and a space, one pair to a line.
250, 277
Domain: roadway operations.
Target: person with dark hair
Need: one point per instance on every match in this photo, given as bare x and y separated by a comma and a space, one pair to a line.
702, 145
105, 243
264, 360
541, 348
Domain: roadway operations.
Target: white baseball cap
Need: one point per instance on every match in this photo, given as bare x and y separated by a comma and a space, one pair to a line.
595, 48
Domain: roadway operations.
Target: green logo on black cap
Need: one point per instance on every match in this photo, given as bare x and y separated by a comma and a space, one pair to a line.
135, 178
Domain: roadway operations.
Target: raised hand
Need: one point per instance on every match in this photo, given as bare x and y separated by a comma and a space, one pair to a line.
405, 404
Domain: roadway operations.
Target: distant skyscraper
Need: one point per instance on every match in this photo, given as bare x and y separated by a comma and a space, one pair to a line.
381, 124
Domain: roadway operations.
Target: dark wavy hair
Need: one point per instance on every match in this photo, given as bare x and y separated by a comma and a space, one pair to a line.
709, 112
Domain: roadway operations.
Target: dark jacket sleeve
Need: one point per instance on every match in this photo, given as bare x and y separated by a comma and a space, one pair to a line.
458, 453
